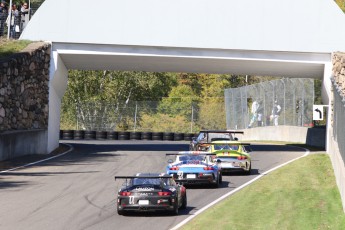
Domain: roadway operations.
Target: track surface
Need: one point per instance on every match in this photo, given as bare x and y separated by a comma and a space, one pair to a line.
78, 191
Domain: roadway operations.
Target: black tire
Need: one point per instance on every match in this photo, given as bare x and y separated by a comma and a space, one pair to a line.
168, 136
178, 137
175, 211
188, 136
112, 135
61, 131
146, 136
184, 202
79, 134
67, 134
121, 212
220, 178
157, 136
249, 171
101, 135
123, 135
89, 135
135, 136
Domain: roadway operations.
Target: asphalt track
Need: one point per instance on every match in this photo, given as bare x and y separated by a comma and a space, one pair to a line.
78, 191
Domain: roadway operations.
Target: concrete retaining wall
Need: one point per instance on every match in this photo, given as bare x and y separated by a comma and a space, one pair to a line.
20, 143
24, 108
311, 136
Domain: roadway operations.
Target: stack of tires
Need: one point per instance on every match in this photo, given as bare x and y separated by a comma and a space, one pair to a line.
101, 135
123, 136
79, 134
178, 136
112, 135
146, 136
89, 135
67, 134
157, 136
135, 136
168, 136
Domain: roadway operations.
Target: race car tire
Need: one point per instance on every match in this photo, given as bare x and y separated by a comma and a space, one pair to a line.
175, 211
220, 178
249, 171
217, 184
184, 202
121, 212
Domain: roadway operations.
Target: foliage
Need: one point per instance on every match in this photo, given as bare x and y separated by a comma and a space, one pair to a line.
163, 122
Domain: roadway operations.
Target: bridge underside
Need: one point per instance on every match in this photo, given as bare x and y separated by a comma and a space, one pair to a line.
170, 59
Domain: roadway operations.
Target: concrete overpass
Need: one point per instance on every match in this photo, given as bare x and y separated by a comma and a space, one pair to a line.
263, 37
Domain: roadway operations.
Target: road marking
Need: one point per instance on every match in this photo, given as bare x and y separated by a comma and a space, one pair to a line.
36, 162
185, 221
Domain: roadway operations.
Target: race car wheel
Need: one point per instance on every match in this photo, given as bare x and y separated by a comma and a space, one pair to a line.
216, 185
121, 212
220, 178
175, 211
184, 202
249, 171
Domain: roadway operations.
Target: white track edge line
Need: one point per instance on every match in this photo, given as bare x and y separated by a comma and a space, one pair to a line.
36, 162
233, 191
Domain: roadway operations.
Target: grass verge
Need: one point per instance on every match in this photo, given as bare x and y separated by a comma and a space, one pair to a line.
301, 195
9, 47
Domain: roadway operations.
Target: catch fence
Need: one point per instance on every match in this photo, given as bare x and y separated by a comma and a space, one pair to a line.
295, 98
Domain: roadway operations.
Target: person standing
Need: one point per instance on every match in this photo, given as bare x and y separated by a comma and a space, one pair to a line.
254, 110
3, 17
260, 112
14, 22
276, 110
25, 15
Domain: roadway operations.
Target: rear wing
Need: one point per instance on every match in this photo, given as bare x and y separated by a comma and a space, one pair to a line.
183, 153
227, 143
222, 131
142, 176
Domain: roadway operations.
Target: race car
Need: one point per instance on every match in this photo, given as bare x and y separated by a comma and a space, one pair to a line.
232, 156
150, 192
201, 142
194, 167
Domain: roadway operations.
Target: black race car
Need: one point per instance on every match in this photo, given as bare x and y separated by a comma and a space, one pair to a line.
201, 142
150, 192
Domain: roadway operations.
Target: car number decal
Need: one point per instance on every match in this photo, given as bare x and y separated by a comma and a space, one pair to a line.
180, 174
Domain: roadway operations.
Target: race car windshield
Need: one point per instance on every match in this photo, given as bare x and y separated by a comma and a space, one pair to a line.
151, 181
226, 147
191, 158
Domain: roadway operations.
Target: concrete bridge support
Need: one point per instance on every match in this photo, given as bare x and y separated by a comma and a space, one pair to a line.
57, 86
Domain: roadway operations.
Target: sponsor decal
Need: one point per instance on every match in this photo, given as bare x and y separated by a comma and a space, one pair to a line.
172, 189
144, 189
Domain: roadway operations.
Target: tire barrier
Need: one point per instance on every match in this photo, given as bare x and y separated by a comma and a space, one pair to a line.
157, 136
79, 134
101, 135
135, 136
123, 136
112, 135
89, 135
146, 136
178, 136
188, 136
168, 136
67, 134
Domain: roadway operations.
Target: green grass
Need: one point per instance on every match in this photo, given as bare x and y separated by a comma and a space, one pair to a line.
302, 195
9, 47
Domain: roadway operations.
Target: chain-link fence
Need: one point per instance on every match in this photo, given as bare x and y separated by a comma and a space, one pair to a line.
171, 115
279, 102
